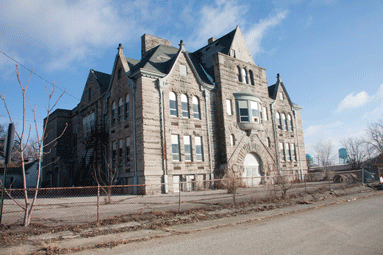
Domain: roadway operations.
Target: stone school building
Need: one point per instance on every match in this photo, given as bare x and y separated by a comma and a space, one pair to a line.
174, 116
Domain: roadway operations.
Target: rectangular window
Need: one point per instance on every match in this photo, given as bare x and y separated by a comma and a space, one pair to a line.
288, 155
228, 107
265, 115
254, 111
175, 148
120, 147
282, 150
127, 151
293, 152
183, 70
187, 146
199, 148
243, 111
114, 154
127, 107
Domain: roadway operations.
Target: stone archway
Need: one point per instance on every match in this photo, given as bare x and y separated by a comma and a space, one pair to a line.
252, 166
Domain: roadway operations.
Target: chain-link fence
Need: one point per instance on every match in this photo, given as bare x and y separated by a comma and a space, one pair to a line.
78, 205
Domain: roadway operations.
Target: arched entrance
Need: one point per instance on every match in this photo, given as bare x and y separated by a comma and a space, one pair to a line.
252, 169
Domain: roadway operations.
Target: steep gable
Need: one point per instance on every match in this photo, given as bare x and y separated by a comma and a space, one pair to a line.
232, 44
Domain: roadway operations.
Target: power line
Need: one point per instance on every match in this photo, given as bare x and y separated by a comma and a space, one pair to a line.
42, 78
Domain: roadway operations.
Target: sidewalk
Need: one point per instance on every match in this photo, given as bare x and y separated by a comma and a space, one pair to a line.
82, 240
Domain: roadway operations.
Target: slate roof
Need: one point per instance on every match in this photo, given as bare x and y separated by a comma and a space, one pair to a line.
159, 59
205, 54
273, 90
102, 79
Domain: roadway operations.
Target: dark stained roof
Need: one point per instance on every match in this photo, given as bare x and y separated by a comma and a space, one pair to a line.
160, 59
102, 79
205, 54
273, 90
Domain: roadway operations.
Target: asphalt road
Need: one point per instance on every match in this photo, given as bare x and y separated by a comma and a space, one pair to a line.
354, 227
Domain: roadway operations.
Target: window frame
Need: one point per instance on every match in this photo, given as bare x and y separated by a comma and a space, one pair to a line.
119, 109
173, 104
199, 148
113, 113
188, 148
196, 108
185, 106
127, 151
127, 106
175, 142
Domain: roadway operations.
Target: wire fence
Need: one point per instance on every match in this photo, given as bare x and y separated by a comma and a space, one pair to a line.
79, 205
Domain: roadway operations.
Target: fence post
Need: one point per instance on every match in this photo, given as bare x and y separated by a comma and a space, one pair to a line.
329, 179
179, 196
234, 189
305, 177
363, 176
98, 203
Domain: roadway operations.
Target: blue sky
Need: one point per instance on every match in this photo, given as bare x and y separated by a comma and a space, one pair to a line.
329, 53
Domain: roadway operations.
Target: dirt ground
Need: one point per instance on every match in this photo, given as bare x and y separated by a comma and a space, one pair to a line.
37, 235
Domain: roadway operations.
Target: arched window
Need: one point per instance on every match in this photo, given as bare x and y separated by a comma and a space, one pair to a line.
185, 106
127, 106
173, 104
278, 120
290, 122
196, 110
113, 113
283, 121
251, 77
120, 105
244, 76
232, 140
268, 142
239, 74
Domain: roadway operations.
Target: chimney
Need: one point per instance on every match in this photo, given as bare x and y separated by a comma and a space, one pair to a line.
149, 42
209, 41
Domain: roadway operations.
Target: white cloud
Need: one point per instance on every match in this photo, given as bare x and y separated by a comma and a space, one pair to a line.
256, 33
353, 101
223, 16
216, 20
67, 30
314, 130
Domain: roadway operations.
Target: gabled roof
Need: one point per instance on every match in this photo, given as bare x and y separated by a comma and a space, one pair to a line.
160, 59
102, 79
273, 90
17, 170
205, 55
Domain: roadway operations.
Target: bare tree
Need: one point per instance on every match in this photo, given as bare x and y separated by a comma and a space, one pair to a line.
23, 137
324, 150
105, 175
375, 137
357, 151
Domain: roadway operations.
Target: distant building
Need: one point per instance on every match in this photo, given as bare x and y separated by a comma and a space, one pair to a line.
14, 177
177, 116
